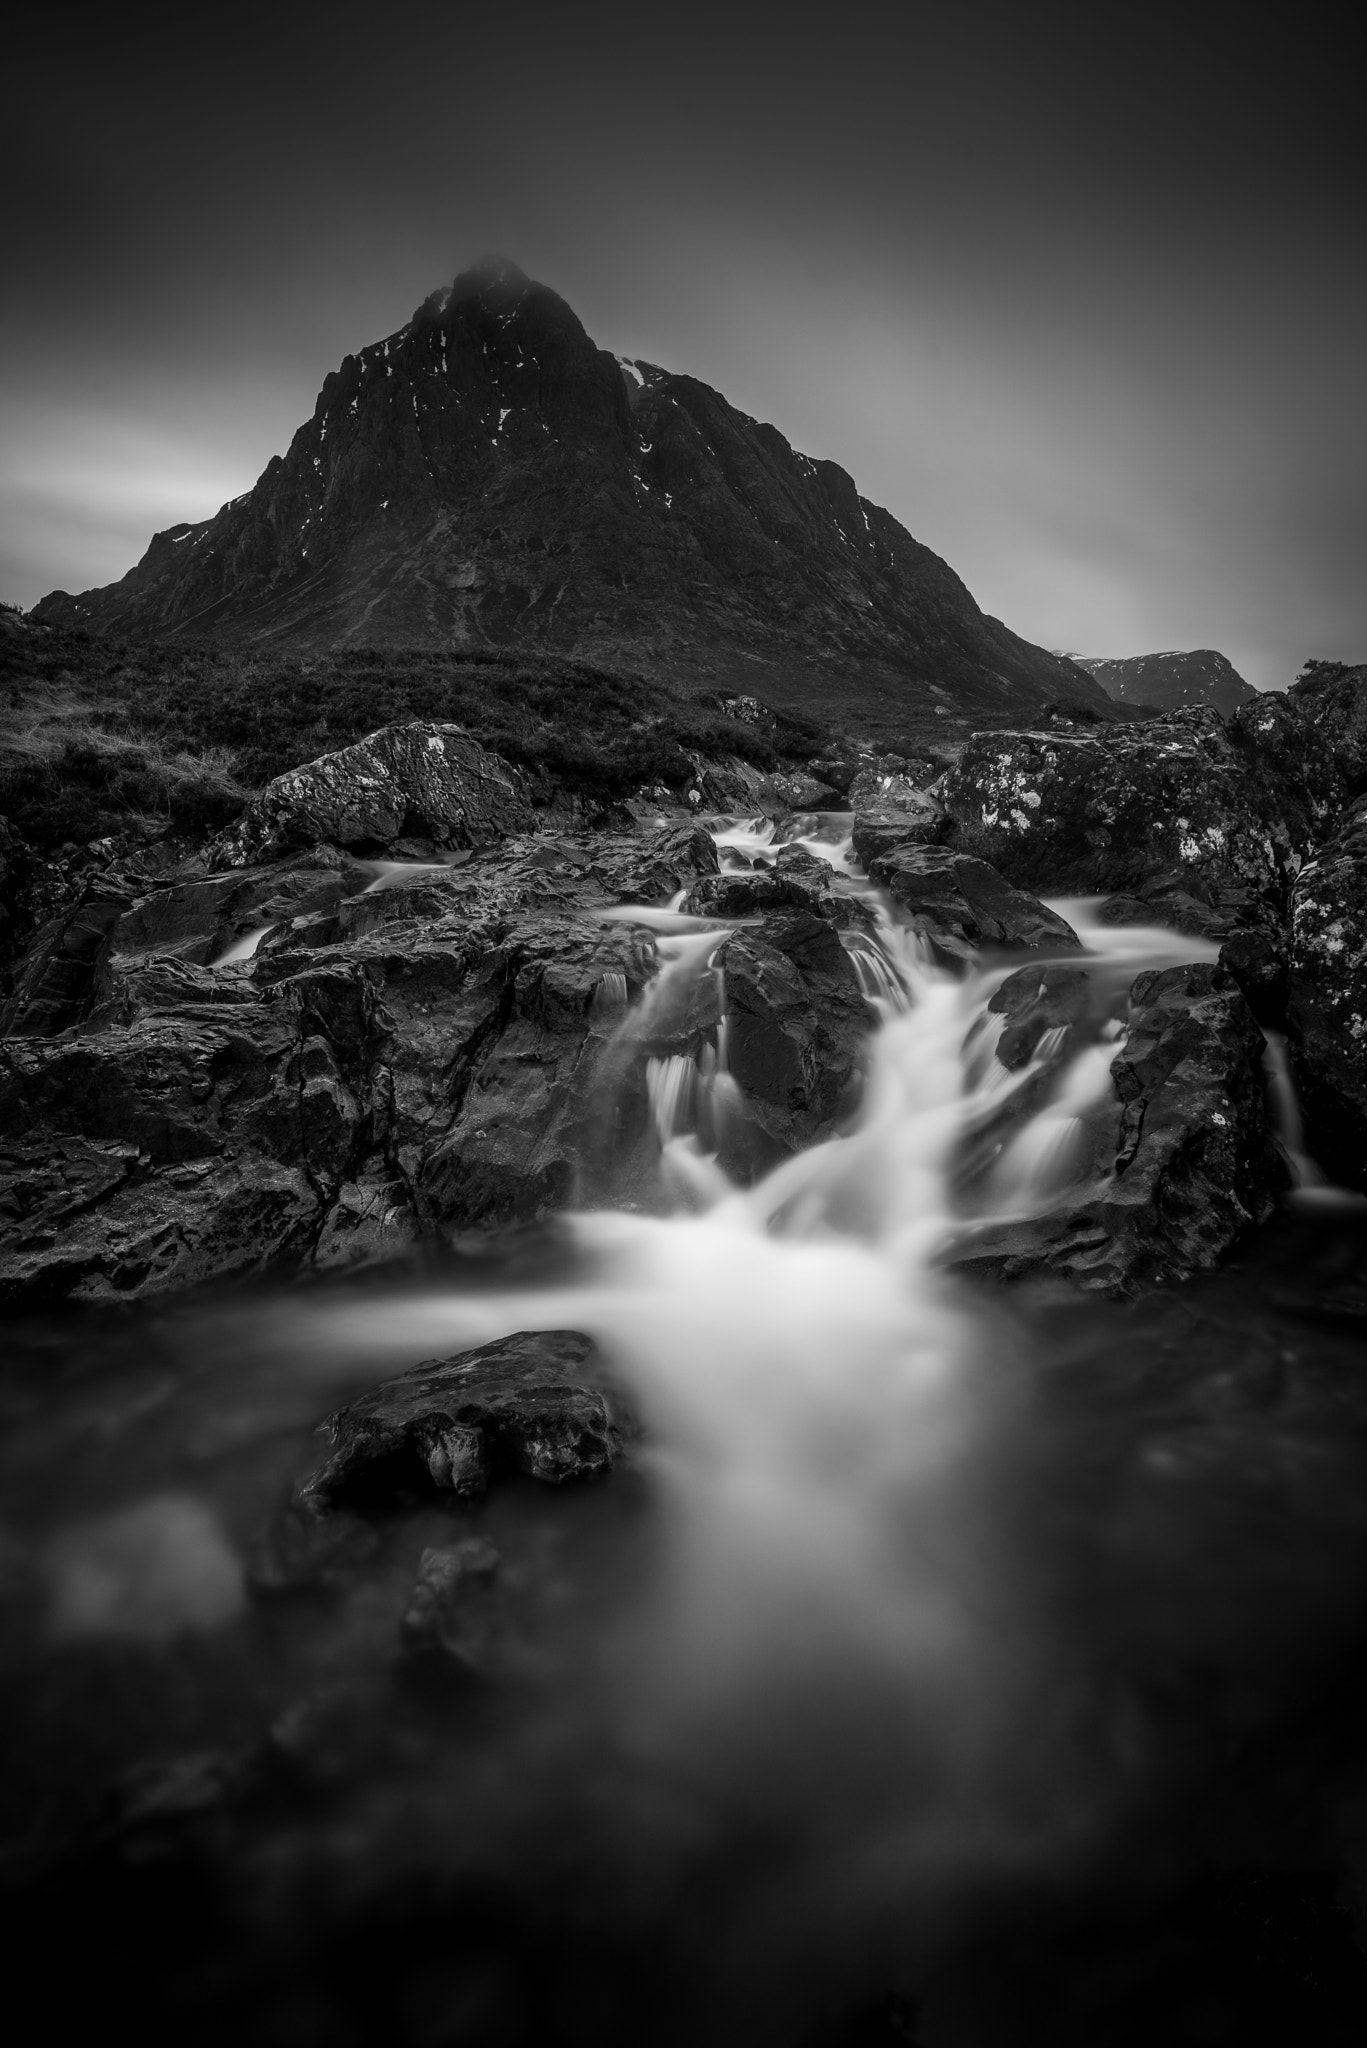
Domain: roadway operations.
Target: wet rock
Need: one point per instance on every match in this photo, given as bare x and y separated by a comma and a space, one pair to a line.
1117, 807
324, 1101
197, 918
370, 1219
87, 1235
451, 1614
1033, 1001
792, 886
56, 982
915, 821
1327, 1000
499, 1101
204, 1131
734, 785
569, 874
961, 904
1247, 933
1174, 1163
533, 1403
796, 1036
428, 779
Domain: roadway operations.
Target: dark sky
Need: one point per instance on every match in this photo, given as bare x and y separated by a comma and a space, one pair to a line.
1078, 293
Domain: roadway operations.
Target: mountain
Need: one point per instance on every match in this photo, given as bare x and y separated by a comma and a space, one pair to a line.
487, 476
1167, 681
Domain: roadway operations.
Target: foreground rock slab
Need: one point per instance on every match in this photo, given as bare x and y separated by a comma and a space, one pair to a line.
535, 1403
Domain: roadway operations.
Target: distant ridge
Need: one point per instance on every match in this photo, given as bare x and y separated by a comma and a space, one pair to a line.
1167, 681
487, 476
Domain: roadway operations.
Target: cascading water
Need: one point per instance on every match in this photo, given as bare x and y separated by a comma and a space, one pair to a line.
897, 1627
243, 948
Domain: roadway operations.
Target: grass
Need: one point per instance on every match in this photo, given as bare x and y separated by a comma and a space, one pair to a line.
97, 736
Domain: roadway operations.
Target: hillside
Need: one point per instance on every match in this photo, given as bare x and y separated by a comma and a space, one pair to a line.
1167, 682
487, 478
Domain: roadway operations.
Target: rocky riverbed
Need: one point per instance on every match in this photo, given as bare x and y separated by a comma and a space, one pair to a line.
581, 1174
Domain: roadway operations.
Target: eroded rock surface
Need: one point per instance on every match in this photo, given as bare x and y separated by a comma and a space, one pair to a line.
1116, 808
962, 904
430, 780
428, 1017
1327, 1001
1332, 697
535, 1403
401, 1050
1172, 1164
914, 820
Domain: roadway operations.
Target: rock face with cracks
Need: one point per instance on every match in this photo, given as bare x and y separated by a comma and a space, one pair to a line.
535, 1403
430, 781
1327, 999
1114, 809
961, 904
422, 1014
390, 1063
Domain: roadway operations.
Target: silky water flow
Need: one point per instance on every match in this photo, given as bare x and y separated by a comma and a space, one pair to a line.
876, 1658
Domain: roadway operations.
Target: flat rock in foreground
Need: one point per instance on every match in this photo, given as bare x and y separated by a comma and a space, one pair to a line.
534, 1403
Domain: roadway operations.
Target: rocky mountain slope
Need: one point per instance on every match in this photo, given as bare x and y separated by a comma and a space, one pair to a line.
1170, 682
489, 477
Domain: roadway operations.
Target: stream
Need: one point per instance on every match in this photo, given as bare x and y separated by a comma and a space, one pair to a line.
976, 1669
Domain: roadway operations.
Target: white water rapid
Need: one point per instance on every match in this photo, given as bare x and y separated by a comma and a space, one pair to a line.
844, 1617
916, 1614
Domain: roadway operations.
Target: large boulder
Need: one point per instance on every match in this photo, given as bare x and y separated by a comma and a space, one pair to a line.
1118, 807
961, 904
1168, 1167
1327, 999
207, 1131
500, 1108
797, 1027
424, 780
410, 1048
535, 1403
1297, 760
1332, 697
915, 819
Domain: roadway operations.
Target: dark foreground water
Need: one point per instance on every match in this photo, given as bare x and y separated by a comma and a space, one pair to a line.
1115, 1792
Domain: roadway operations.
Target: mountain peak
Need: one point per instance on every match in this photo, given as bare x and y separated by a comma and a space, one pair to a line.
494, 277
488, 475
490, 274
1171, 679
